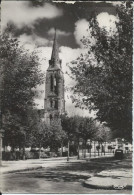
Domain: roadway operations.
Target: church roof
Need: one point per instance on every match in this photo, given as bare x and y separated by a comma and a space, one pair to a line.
55, 50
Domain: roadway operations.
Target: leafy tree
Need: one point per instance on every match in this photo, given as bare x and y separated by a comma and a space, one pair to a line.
69, 125
87, 130
56, 136
20, 74
78, 128
102, 135
104, 75
37, 135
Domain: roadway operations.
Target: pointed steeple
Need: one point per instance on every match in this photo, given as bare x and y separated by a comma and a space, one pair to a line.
55, 61
55, 50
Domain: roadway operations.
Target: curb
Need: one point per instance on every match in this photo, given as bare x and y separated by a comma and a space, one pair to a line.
108, 187
25, 169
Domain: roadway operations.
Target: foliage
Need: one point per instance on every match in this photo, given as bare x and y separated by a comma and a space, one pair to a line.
42, 134
77, 127
103, 133
38, 130
104, 75
20, 74
18, 155
87, 128
56, 136
68, 125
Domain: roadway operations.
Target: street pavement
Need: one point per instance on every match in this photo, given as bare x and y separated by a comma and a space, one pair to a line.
56, 175
13, 166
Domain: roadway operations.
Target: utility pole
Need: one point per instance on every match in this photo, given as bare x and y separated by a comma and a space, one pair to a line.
1, 115
1, 130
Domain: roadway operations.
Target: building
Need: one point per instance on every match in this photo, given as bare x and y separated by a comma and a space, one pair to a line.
54, 103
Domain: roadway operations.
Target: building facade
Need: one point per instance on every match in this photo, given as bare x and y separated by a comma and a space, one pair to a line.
54, 103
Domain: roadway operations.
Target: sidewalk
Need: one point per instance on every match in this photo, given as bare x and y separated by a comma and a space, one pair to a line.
15, 166
112, 179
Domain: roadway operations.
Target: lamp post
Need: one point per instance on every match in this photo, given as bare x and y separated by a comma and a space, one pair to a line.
1, 118
1, 131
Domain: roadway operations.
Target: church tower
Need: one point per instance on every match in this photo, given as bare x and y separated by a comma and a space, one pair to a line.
54, 87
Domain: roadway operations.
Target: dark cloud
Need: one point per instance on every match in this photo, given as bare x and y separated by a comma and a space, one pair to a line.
65, 22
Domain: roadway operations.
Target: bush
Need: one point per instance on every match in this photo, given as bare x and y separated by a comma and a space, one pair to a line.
18, 155
43, 155
29, 155
9, 155
64, 154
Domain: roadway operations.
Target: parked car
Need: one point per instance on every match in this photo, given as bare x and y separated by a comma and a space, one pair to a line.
119, 154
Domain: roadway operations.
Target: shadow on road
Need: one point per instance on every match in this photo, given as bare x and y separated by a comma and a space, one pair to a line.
60, 176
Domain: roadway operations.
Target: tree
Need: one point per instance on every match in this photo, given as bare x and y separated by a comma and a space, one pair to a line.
20, 74
44, 135
56, 136
102, 135
67, 124
104, 75
78, 128
38, 132
88, 131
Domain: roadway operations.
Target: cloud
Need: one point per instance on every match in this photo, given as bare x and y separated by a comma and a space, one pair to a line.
58, 32
81, 30
115, 3
21, 13
107, 21
104, 19
33, 40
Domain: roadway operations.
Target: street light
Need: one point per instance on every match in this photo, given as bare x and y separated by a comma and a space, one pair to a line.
1, 118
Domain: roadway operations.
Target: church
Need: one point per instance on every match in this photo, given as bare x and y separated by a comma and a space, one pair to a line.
54, 102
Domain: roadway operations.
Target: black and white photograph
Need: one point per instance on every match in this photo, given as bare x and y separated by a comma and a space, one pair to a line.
66, 72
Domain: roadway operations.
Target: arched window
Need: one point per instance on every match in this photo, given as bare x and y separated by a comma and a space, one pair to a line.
50, 116
51, 82
51, 103
56, 104
55, 85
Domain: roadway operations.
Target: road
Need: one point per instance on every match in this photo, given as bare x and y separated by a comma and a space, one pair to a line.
59, 177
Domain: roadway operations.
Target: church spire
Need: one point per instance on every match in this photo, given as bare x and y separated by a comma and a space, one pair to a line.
55, 50
55, 61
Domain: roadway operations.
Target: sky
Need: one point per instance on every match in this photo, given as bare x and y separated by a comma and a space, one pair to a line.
34, 22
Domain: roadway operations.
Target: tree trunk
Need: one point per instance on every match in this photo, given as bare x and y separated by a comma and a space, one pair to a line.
82, 150
101, 149
61, 148
39, 151
78, 151
94, 150
68, 152
0, 149
104, 148
24, 156
12, 148
90, 149
85, 149
98, 149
